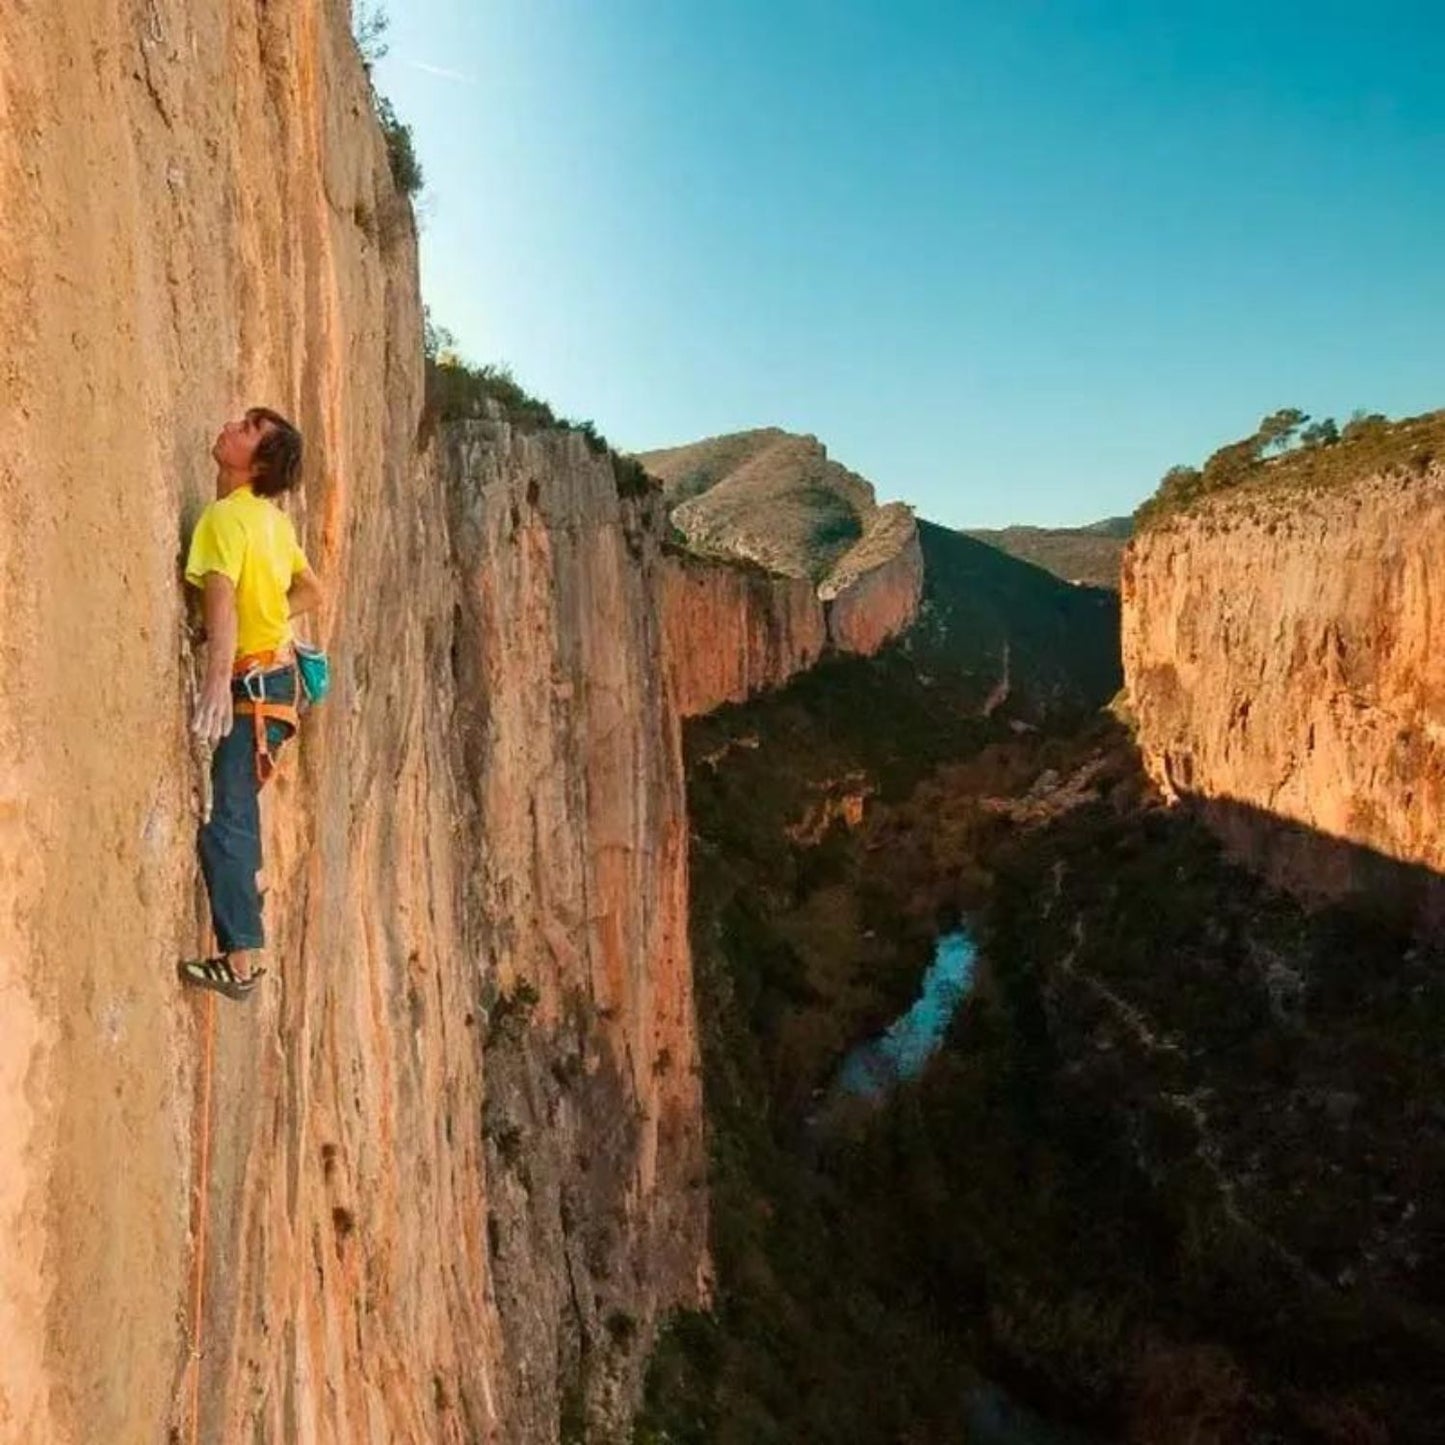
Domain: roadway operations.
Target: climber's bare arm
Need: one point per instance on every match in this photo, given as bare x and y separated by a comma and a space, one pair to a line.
306, 593
213, 706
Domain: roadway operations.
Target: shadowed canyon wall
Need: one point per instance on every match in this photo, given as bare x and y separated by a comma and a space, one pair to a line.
1283, 660
735, 630
455, 1166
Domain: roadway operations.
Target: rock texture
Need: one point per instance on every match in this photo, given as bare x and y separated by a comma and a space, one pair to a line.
454, 1154
735, 631
199, 215
873, 592
765, 496
451, 1153
574, 813
1283, 661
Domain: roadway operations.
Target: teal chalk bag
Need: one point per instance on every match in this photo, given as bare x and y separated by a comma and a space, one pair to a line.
315, 670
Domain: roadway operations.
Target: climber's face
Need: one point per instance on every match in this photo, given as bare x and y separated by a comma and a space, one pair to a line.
236, 443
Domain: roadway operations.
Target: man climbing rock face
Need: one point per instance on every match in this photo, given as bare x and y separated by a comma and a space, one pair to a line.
254, 578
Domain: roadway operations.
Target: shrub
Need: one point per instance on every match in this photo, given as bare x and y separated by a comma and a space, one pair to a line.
406, 169
369, 24
632, 478
457, 391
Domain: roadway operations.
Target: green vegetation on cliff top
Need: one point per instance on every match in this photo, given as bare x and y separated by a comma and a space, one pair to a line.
458, 391
1289, 452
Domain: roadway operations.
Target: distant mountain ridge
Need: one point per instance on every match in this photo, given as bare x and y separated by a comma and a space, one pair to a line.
778, 499
1089, 554
770, 499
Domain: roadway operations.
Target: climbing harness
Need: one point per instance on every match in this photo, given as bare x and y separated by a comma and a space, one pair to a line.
252, 670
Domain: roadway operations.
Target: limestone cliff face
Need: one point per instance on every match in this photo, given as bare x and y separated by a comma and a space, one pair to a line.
199, 215
447, 1164
434, 1207
778, 504
735, 631
873, 594
571, 754
1283, 658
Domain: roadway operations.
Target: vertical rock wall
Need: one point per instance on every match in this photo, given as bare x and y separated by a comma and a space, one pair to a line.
734, 630
572, 750
199, 216
875, 593
453, 1158
1283, 658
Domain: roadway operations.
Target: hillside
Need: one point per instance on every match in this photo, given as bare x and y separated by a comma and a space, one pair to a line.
1089, 554
1012, 626
778, 500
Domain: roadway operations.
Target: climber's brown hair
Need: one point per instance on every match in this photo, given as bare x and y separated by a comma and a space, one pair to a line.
276, 462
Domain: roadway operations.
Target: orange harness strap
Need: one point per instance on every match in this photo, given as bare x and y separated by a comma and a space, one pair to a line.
262, 710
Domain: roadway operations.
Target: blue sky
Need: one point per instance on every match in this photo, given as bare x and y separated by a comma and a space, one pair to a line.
1010, 260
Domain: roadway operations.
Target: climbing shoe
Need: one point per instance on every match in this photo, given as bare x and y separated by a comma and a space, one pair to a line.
217, 974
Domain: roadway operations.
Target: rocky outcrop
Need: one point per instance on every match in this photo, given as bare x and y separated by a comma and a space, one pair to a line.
734, 631
768, 497
873, 593
451, 1150
1283, 663
777, 503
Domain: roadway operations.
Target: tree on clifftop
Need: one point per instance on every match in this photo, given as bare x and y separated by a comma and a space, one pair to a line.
1277, 430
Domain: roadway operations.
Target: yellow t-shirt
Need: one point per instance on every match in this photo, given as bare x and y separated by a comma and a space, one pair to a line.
251, 541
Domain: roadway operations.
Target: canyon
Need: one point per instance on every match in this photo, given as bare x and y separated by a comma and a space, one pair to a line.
628, 787
447, 1167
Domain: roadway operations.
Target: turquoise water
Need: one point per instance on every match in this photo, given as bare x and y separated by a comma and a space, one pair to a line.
902, 1052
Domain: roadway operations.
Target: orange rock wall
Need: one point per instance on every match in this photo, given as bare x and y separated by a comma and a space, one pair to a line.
575, 824
879, 604
1283, 659
425, 1193
199, 215
733, 631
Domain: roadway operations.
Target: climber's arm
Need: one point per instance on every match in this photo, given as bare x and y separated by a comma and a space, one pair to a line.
306, 593
213, 706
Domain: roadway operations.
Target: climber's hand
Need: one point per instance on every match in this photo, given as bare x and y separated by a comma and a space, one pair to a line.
213, 711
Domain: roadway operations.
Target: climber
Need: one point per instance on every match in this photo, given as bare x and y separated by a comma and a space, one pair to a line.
254, 578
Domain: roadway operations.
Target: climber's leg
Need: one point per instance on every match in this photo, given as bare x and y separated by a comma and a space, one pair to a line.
230, 845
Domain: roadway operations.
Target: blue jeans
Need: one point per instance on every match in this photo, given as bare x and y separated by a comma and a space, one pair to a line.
230, 842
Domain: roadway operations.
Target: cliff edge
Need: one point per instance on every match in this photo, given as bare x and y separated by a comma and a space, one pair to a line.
1282, 662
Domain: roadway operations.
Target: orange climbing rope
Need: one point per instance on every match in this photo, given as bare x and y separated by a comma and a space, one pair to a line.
203, 1189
